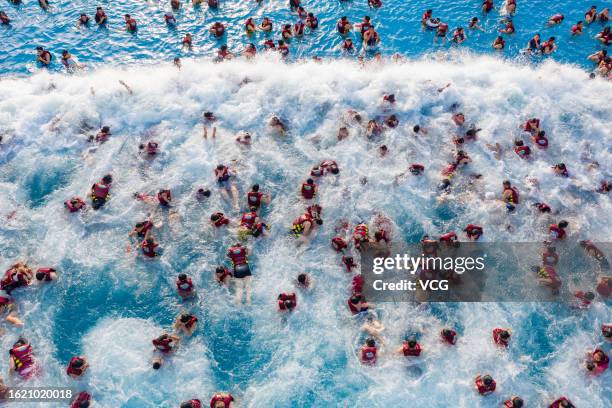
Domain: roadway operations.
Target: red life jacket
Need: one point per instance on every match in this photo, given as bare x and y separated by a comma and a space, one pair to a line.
302, 219
195, 403
223, 174
162, 200
308, 190
191, 322
484, 389
338, 243
313, 21
603, 288
70, 370
558, 402
451, 338
449, 170
426, 16
382, 235
541, 141
225, 398
148, 250
508, 404
498, 340
184, 286
368, 355
254, 198
284, 297
556, 232
72, 207
82, 398
219, 29
430, 247
360, 234
225, 274
473, 231
152, 148
145, 228
602, 365
488, 5
221, 221
543, 207
411, 352
248, 220
47, 272
514, 195
448, 237
357, 284
163, 344
522, 151
238, 255
557, 18
24, 362
416, 167
100, 190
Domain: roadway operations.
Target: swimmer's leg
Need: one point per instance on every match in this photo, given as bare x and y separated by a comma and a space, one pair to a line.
247, 289
239, 283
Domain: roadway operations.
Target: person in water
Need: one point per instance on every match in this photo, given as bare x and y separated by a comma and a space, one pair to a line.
371, 38
410, 348
242, 272
221, 400
368, 352
21, 359
8, 309
255, 198
485, 384
305, 281
100, 192
186, 323
514, 402
165, 345
597, 362
501, 337
77, 367
225, 180
43, 56
287, 302
184, 286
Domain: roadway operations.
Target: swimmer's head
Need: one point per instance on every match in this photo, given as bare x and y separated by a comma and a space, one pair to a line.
370, 342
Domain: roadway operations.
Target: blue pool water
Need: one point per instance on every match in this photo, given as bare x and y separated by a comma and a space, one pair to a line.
108, 304
398, 23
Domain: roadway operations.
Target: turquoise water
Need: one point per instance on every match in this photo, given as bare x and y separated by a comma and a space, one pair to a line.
108, 304
398, 23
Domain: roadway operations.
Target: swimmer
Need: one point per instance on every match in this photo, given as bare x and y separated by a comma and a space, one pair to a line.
371, 38
77, 367
604, 16
606, 332
473, 232
429, 247
501, 337
534, 44
184, 286
441, 32
130, 24
458, 35
177, 62
18, 275
598, 56
255, 198
4, 18
82, 400
368, 353
344, 26
594, 252
43, 4
547, 276
419, 130
217, 30
605, 36
282, 48
485, 384
531, 125
590, 15
392, 121
150, 149
249, 52
410, 348
499, 43
266, 25
511, 9
347, 46
562, 402
242, 272
459, 119
223, 54
540, 139
100, 192
597, 362
149, 247
357, 284
373, 129
583, 299
427, 15
102, 136
349, 263
165, 344
286, 33
305, 281
514, 402
100, 16
508, 28
375, 3
303, 225
277, 125
175, 4
549, 46
187, 41
213, 4
473, 25
192, 403
21, 359
604, 286
83, 20
221, 400
287, 302
510, 195
43, 56
46, 274
312, 22
75, 204
308, 190
521, 150
142, 229
170, 19
298, 29
186, 323
223, 275
357, 304
555, 19
301, 12
225, 180
577, 28
448, 336
487, 6
219, 220
250, 26
560, 169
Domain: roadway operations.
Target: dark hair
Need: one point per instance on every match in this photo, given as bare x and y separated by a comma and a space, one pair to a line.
310, 181
182, 276
505, 334
104, 129
78, 362
107, 179
517, 402
412, 343
335, 170
150, 241
220, 269
156, 365
541, 133
185, 317
370, 342
40, 276
416, 128
255, 187
518, 142
215, 216
487, 379
563, 224
187, 404
302, 278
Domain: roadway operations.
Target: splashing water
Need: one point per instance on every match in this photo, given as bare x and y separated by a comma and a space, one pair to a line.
108, 304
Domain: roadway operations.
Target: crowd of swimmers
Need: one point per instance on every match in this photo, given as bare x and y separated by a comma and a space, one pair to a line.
370, 39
